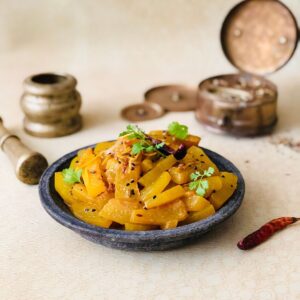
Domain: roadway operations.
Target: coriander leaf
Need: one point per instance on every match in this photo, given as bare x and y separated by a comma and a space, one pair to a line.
150, 149
200, 191
132, 132
209, 172
178, 130
123, 133
160, 145
194, 176
193, 185
72, 176
135, 129
132, 136
204, 184
137, 148
198, 183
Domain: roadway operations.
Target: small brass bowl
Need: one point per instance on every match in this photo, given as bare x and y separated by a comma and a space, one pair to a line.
51, 105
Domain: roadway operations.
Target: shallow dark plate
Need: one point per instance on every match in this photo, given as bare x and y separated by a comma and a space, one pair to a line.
136, 240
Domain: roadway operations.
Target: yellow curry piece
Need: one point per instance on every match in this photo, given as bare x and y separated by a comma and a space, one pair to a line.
145, 191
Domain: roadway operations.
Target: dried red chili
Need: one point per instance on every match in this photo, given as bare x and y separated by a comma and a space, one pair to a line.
266, 231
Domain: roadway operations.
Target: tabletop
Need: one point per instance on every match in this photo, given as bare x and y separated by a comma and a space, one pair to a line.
117, 50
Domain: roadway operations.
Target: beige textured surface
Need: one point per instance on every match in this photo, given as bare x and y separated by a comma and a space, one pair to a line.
118, 49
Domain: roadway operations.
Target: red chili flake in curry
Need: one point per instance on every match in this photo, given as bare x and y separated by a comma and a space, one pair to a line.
266, 231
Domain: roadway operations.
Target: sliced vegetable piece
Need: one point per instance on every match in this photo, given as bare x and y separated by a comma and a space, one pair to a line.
181, 175
74, 163
80, 193
160, 215
89, 213
165, 197
103, 146
229, 184
64, 189
214, 184
192, 140
111, 170
197, 155
147, 165
161, 166
126, 182
195, 203
156, 187
85, 157
200, 215
92, 178
120, 210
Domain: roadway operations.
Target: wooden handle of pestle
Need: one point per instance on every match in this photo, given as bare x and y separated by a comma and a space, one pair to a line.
29, 165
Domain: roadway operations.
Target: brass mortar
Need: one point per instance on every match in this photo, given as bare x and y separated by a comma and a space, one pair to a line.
51, 105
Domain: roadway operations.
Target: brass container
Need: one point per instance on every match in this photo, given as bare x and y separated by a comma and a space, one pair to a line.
51, 105
258, 38
238, 104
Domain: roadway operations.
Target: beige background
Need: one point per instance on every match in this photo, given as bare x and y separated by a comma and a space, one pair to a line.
118, 49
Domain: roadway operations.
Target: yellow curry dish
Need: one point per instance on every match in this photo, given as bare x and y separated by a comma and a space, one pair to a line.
145, 181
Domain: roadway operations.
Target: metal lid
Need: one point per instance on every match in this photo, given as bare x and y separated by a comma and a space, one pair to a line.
142, 112
259, 37
173, 97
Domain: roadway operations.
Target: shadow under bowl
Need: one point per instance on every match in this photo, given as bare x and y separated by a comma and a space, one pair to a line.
136, 240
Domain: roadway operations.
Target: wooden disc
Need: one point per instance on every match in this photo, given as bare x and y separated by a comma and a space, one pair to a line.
142, 112
173, 97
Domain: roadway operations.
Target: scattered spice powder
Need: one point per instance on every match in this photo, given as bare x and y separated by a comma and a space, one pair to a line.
286, 141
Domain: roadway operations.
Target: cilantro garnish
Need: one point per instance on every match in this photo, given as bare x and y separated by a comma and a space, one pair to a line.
133, 132
178, 130
160, 145
72, 176
144, 144
198, 183
140, 147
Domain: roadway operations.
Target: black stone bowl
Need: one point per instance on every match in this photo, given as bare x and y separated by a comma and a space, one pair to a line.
136, 240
